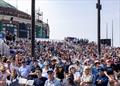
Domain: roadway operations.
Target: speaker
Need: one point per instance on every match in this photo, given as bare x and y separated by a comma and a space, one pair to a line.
106, 42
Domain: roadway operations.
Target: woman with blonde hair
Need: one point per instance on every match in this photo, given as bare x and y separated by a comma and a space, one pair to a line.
3, 75
87, 77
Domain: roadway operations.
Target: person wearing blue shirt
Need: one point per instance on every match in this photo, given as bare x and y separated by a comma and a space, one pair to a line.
95, 68
101, 79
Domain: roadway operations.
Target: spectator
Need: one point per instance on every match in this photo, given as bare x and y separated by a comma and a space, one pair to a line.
3, 75
12, 80
52, 81
53, 63
59, 71
34, 65
45, 69
111, 74
18, 58
72, 70
24, 70
69, 81
109, 69
95, 68
87, 77
101, 78
13, 65
40, 81
79, 67
112, 80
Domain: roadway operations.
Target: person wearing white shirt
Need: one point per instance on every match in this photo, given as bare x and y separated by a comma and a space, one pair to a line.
45, 69
87, 77
76, 74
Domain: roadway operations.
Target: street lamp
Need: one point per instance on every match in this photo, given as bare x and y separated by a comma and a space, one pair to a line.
98, 6
33, 28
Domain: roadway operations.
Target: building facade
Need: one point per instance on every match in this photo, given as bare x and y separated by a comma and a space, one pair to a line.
18, 23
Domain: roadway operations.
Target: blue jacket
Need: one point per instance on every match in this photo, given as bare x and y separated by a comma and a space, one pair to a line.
104, 80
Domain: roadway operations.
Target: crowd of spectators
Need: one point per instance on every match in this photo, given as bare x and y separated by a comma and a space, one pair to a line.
60, 63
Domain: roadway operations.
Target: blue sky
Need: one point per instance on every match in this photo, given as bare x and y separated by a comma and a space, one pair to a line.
76, 18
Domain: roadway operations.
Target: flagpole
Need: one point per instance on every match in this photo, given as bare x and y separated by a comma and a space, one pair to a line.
112, 34
106, 30
119, 22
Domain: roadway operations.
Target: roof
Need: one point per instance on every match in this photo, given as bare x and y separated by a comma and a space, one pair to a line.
6, 5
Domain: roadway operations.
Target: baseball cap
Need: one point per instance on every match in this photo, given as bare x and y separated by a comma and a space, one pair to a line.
50, 70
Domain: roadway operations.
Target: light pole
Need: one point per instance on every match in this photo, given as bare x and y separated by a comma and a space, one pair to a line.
33, 28
98, 6
112, 33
